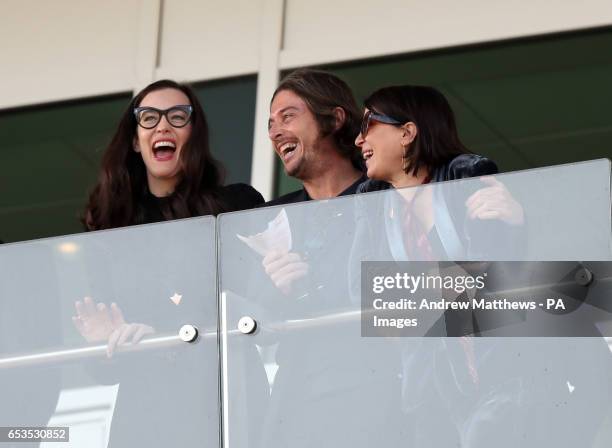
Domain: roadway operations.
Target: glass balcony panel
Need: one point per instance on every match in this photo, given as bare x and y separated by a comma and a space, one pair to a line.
298, 370
90, 336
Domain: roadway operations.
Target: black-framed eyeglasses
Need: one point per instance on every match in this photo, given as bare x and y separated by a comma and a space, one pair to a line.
369, 116
149, 117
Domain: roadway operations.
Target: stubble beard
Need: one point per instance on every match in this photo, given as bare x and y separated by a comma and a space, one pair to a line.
299, 168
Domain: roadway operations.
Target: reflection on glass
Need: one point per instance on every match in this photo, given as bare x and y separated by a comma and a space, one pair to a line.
90, 336
296, 271
88, 324
29, 322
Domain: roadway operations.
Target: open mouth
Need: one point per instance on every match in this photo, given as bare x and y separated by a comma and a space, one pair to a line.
164, 150
367, 154
287, 150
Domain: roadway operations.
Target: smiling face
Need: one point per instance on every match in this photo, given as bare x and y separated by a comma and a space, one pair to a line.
161, 146
294, 131
383, 151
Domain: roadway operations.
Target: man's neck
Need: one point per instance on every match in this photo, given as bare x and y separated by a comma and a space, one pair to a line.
332, 180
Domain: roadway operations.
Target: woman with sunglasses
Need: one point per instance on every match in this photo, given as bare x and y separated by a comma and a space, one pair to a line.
459, 391
158, 165
409, 138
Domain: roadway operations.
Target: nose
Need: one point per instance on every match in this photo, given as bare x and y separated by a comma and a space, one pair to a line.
274, 132
163, 124
359, 141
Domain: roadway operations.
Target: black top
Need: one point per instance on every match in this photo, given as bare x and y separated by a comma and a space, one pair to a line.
234, 197
302, 195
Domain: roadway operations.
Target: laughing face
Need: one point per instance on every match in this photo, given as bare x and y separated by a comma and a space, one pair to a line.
161, 146
294, 131
383, 150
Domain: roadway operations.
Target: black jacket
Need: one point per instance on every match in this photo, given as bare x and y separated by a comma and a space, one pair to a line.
461, 167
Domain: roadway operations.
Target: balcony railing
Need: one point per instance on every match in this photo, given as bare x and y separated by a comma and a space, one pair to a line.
290, 357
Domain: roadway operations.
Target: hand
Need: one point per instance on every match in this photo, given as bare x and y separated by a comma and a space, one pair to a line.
95, 322
494, 202
284, 269
120, 335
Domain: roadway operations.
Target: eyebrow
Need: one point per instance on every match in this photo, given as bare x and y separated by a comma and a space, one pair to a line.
176, 106
284, 109
280, 112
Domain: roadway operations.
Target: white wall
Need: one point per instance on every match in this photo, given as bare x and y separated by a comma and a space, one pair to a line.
209, 39
68, 49
323, 31
65, 49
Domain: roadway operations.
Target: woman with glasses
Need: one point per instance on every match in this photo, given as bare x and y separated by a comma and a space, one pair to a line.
158, 165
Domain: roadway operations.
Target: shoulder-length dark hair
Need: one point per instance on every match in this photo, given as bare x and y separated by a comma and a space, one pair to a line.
119, 196
437, 140
323, 92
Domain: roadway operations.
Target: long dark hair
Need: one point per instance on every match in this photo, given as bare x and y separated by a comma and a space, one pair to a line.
119, 196
437, 140
323, 92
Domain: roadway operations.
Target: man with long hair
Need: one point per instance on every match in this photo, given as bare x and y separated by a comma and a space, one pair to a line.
314, 119
313, 123
321, 391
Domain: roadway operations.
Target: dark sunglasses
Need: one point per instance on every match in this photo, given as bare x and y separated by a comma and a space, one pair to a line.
149, 117
369, 116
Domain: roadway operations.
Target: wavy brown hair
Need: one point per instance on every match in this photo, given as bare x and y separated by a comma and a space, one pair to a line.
119, 197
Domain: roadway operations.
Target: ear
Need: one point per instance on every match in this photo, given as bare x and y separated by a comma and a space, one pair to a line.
409, 133
135, 146
339, 118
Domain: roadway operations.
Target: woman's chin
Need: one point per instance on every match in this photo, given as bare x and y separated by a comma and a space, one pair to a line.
372, 174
